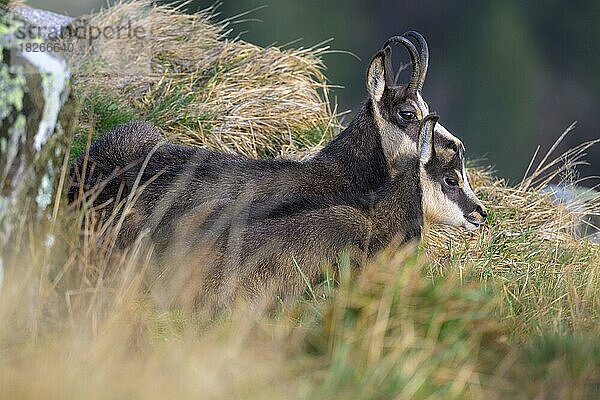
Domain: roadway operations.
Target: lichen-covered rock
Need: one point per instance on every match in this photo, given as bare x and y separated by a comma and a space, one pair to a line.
35, 90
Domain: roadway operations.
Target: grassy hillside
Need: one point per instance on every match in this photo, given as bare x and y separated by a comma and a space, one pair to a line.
181, 72
511, 311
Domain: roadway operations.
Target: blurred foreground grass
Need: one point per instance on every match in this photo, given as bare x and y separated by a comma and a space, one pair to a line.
511, 311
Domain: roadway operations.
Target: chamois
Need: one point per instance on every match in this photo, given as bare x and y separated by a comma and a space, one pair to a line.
362, 159
260, 258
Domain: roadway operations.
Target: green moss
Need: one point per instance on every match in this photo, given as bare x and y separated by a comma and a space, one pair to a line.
12, 79
313, 136
107, 113
168, 107
99, 114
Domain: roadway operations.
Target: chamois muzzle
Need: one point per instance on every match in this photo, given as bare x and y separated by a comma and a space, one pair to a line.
478, 217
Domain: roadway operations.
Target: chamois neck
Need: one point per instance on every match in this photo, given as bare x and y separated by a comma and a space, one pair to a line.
397, 208
359, 152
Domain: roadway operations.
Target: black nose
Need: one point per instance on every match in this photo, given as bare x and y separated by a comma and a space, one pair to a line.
481, 211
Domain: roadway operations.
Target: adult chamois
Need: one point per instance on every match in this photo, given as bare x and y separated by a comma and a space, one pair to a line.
180, 181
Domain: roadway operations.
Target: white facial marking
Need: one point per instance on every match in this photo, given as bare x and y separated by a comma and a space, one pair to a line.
421, 105
444, 133
395, 142
466, 186
437, 207
440, 209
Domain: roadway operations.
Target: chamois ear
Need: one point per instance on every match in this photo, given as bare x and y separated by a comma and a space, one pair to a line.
426, 142
379, 74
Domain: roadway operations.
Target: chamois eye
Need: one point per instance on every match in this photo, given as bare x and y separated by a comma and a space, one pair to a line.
450, 182
407, 115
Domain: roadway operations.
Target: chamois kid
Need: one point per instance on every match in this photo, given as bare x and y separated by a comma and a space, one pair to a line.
180, 181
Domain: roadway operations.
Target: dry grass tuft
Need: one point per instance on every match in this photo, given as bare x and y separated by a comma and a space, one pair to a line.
532, 245
394, 333
78, 322
182, 73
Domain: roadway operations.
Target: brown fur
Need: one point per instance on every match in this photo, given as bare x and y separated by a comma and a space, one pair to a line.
226, 257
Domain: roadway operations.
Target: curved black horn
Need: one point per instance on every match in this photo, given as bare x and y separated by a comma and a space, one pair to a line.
423, 57
414, 58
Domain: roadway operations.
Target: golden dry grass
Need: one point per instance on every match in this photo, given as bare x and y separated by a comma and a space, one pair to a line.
507, 312
183, 73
